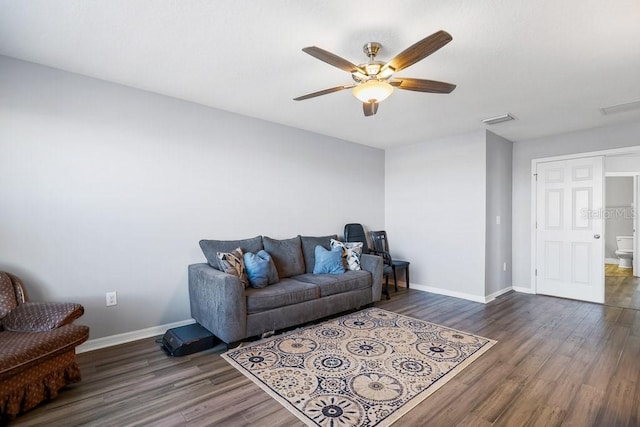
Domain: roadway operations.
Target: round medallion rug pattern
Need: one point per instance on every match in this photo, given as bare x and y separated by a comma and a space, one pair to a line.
363, 369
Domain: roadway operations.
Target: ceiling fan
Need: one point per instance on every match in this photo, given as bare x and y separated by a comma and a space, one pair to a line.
374, 80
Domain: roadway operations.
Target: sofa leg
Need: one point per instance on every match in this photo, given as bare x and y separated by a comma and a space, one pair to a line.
232, 345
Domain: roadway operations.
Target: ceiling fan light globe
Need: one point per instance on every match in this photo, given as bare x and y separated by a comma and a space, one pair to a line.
372, 91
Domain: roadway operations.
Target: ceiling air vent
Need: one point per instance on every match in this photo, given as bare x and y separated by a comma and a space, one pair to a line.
620, 108
498, 119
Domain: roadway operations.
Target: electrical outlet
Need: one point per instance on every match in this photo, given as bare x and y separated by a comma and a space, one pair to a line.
504, 267
112, 298
498, 220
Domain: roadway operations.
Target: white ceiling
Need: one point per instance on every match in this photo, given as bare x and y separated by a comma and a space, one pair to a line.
551, 63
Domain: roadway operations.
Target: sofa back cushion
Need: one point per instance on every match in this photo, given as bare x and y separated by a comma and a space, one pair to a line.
7, 295
210, 248
286, 255
309, 244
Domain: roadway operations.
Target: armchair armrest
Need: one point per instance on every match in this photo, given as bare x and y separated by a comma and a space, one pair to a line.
374, 265
41, 316
218, 302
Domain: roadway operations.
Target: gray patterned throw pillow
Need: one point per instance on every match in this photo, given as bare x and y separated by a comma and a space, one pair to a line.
351, 252
233, 263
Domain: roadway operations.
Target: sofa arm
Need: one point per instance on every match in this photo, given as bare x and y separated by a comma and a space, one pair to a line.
41, 316
218, 302
374, 265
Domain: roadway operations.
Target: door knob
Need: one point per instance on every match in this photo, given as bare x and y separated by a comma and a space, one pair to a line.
596, 236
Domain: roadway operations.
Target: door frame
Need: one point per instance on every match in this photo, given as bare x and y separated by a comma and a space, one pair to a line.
534, 193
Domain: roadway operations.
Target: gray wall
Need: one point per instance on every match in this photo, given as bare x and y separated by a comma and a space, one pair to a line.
442, 199
618, 219
435, 212
104, 187
627, 135
498, 238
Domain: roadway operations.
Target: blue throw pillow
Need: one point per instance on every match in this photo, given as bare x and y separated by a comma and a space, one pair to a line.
260, 269
328, 262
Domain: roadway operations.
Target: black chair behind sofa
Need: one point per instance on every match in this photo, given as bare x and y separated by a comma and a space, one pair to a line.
354, 232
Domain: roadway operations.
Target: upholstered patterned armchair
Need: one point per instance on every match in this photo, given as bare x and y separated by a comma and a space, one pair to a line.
37, 348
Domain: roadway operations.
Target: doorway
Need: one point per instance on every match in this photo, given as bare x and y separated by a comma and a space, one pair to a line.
620, 291
619, 225
622, 177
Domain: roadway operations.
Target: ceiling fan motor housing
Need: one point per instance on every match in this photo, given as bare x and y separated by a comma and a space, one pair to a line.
371, 49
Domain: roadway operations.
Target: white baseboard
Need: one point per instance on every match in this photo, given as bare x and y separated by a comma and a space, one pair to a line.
615, 261
449, 293
495, 295
470, 297
523, 289
129, 336
126, 337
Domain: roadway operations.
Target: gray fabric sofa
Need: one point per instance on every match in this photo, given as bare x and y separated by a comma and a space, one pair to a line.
220, 303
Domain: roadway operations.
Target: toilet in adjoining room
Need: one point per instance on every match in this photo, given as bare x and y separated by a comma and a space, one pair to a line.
625, 251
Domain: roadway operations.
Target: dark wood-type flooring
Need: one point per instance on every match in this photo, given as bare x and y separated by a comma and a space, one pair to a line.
557, 362
621, 288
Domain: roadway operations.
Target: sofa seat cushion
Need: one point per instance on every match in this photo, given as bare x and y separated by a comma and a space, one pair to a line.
285, 292
21, 350
331, 284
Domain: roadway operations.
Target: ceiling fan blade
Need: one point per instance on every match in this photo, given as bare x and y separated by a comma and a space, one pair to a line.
332, 59
420, 85
323, 92
370, 108
419, 50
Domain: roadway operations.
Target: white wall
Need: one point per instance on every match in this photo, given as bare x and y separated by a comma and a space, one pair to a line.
627, 135
435, 211
498, 238
104, 187
628, 163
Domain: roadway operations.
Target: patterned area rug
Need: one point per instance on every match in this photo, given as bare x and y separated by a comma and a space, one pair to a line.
364, 369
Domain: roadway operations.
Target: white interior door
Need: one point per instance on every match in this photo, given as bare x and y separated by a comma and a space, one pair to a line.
569, 215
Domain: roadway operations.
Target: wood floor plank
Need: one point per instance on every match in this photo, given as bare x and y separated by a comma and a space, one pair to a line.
621, 288
498, 401
531, 398
547, 416
557, 362
620, 404
563, 393
606, 364
472, 420
585, 407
